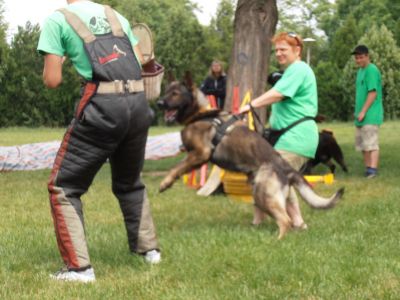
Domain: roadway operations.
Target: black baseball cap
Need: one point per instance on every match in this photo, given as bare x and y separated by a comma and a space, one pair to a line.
360, 49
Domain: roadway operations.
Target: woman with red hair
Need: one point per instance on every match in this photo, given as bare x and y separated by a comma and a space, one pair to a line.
293, 98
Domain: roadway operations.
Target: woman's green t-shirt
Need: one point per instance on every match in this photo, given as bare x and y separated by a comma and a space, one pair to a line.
299, 88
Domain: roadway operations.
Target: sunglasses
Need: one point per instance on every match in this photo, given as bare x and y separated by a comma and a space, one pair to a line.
294, 35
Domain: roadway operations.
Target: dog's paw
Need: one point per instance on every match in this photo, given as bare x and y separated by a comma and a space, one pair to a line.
162, 188
256, 222
164, 185
302, 226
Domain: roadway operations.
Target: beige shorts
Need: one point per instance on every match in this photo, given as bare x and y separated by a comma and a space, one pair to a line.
366, 138
295, 161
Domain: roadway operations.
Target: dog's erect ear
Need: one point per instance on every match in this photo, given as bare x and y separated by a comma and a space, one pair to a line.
170, 77
187, 80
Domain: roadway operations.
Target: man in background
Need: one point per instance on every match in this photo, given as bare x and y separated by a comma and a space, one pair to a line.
368, 110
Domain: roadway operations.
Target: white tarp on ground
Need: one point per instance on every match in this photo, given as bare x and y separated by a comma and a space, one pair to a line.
39, 156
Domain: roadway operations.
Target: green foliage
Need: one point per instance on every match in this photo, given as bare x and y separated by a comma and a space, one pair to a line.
3, 45
3, 25
219, 35
329, 91
27, 101
23, 81
386, 55
304, 16
367, 12
344, 41
179, 38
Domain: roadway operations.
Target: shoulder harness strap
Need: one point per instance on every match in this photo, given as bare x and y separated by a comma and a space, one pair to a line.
76, 23
115, 24
222, 127
296, 122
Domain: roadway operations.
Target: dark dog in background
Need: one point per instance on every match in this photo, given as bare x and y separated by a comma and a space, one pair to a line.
328, 148
238, 149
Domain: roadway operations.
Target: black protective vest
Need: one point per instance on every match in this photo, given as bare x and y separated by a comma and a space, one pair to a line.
111, 55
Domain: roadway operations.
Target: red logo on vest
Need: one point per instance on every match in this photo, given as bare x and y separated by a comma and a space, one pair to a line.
117, 53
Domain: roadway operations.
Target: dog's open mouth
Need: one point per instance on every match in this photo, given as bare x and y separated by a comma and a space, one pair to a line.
170, 115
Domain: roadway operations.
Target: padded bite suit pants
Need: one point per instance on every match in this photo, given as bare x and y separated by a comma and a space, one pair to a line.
106, 126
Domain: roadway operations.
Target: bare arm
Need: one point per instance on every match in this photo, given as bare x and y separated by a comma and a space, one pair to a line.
265, 99
370, 99
52, 70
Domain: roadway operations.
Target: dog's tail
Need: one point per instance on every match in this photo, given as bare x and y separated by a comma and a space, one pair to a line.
308, 194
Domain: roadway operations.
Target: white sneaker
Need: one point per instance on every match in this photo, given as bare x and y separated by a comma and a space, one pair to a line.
83, 276
152, 257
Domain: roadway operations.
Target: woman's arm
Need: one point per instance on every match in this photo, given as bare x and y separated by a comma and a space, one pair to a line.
265, 99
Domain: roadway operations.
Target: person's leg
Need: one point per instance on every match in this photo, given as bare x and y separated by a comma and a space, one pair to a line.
374, 159
126, 165
85, 147
371, 158
371, 166
358, 144
367, 158
370, 148
73, 171
292, 205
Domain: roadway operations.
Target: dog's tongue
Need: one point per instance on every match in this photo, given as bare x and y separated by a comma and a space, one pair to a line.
170, 115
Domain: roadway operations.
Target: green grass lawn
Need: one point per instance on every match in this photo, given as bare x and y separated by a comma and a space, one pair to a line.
209, 248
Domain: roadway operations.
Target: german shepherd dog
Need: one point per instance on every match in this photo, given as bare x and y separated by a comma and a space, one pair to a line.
241, 150
327, 149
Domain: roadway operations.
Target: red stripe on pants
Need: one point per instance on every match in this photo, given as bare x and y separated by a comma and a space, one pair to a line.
64, 241
90, 90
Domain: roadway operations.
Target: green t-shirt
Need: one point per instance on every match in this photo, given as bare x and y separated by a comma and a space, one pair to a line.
58, 38
299, 88
368, 80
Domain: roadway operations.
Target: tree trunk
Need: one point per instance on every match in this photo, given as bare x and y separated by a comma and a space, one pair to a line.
254, 26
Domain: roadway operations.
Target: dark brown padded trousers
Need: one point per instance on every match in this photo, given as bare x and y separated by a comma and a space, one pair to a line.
107, 126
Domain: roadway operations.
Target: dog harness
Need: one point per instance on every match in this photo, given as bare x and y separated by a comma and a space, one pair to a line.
222, 128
